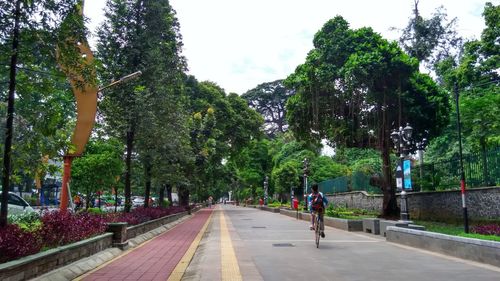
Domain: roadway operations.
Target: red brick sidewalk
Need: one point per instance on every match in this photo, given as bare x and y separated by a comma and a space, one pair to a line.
156, 259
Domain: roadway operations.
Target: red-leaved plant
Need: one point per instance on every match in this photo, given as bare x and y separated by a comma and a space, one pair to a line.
488, 229
16, 243
62, 227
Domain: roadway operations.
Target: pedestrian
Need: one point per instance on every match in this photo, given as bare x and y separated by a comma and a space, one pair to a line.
210, 201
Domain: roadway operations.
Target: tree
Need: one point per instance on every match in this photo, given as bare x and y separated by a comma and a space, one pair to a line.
99, 168
221, 127
355, 87
26, 26
431, 40
269, 99
476, 79
142, 35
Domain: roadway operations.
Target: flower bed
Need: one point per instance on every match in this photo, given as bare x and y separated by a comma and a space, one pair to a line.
29, 234
488, 229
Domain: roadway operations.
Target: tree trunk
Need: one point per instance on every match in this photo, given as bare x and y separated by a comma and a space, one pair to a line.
183, 196
10, 119
147, 175
389, 205
169, 193
161, 194
128, 160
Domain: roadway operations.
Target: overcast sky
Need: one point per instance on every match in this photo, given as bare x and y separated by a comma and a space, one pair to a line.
239, 44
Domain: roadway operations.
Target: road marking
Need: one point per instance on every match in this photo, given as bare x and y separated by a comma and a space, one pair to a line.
229, 264
181, 267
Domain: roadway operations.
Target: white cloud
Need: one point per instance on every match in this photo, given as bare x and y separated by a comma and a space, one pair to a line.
240, 44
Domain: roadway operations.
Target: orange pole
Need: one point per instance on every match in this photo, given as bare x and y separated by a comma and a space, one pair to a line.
65, 180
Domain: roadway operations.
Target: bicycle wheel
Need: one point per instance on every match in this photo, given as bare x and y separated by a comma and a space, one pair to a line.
317, 231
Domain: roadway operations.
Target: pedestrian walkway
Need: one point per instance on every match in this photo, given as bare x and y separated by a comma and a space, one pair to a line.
158, 259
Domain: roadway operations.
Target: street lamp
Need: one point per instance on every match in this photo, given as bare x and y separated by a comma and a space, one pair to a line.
266, 185
404, 145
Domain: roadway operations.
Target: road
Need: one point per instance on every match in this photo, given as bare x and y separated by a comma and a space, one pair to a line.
249, 244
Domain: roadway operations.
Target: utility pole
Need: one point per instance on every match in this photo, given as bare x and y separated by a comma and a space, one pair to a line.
462, 173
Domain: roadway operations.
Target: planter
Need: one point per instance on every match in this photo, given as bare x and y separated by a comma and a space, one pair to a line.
136, 230
35, 265
344, 224
483, 251
269, 209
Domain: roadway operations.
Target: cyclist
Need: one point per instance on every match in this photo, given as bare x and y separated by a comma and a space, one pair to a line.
317, 204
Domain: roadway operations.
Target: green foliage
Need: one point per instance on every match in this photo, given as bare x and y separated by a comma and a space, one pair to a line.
476, 80
97, 211
323, 168
27, 221
165, 204
285, 177
355, 86
345, 213
269, 99
99, 168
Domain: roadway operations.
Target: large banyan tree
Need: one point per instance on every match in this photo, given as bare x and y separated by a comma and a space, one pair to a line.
355, 87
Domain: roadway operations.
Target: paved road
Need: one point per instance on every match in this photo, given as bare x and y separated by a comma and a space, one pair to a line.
270, 246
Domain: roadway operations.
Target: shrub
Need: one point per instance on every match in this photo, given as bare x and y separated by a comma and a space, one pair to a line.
489, 229
141, 214
165, 203
27, 221
16, 243
95, 211
62, 227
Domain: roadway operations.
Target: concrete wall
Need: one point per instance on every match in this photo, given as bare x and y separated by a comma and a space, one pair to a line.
482, 203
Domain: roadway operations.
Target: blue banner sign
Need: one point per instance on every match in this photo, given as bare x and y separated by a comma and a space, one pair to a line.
407, 174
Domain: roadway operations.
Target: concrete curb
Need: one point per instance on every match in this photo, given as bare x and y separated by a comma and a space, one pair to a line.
478, 250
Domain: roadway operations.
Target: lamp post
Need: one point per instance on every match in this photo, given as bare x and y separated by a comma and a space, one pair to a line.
402, 139
266, 185
305, 164
420, 150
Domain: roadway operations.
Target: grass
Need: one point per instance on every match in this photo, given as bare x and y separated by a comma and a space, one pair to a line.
454, 229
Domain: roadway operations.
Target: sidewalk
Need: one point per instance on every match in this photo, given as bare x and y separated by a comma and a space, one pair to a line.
155, 259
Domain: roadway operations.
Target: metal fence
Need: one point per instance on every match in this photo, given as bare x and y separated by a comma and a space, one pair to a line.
481, 169
357, 181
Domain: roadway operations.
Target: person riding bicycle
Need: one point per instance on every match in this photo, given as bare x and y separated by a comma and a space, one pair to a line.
317, 203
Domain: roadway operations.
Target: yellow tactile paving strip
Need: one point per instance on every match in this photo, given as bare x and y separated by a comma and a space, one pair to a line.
230, 271
181, 267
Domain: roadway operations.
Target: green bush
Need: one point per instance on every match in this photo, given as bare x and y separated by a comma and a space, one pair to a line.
95, 211
165, 203
345, 213
27, 221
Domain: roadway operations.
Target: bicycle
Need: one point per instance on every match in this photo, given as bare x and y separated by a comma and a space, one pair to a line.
317, 227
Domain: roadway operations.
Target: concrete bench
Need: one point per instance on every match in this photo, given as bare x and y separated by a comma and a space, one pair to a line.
371, 225
386, 223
